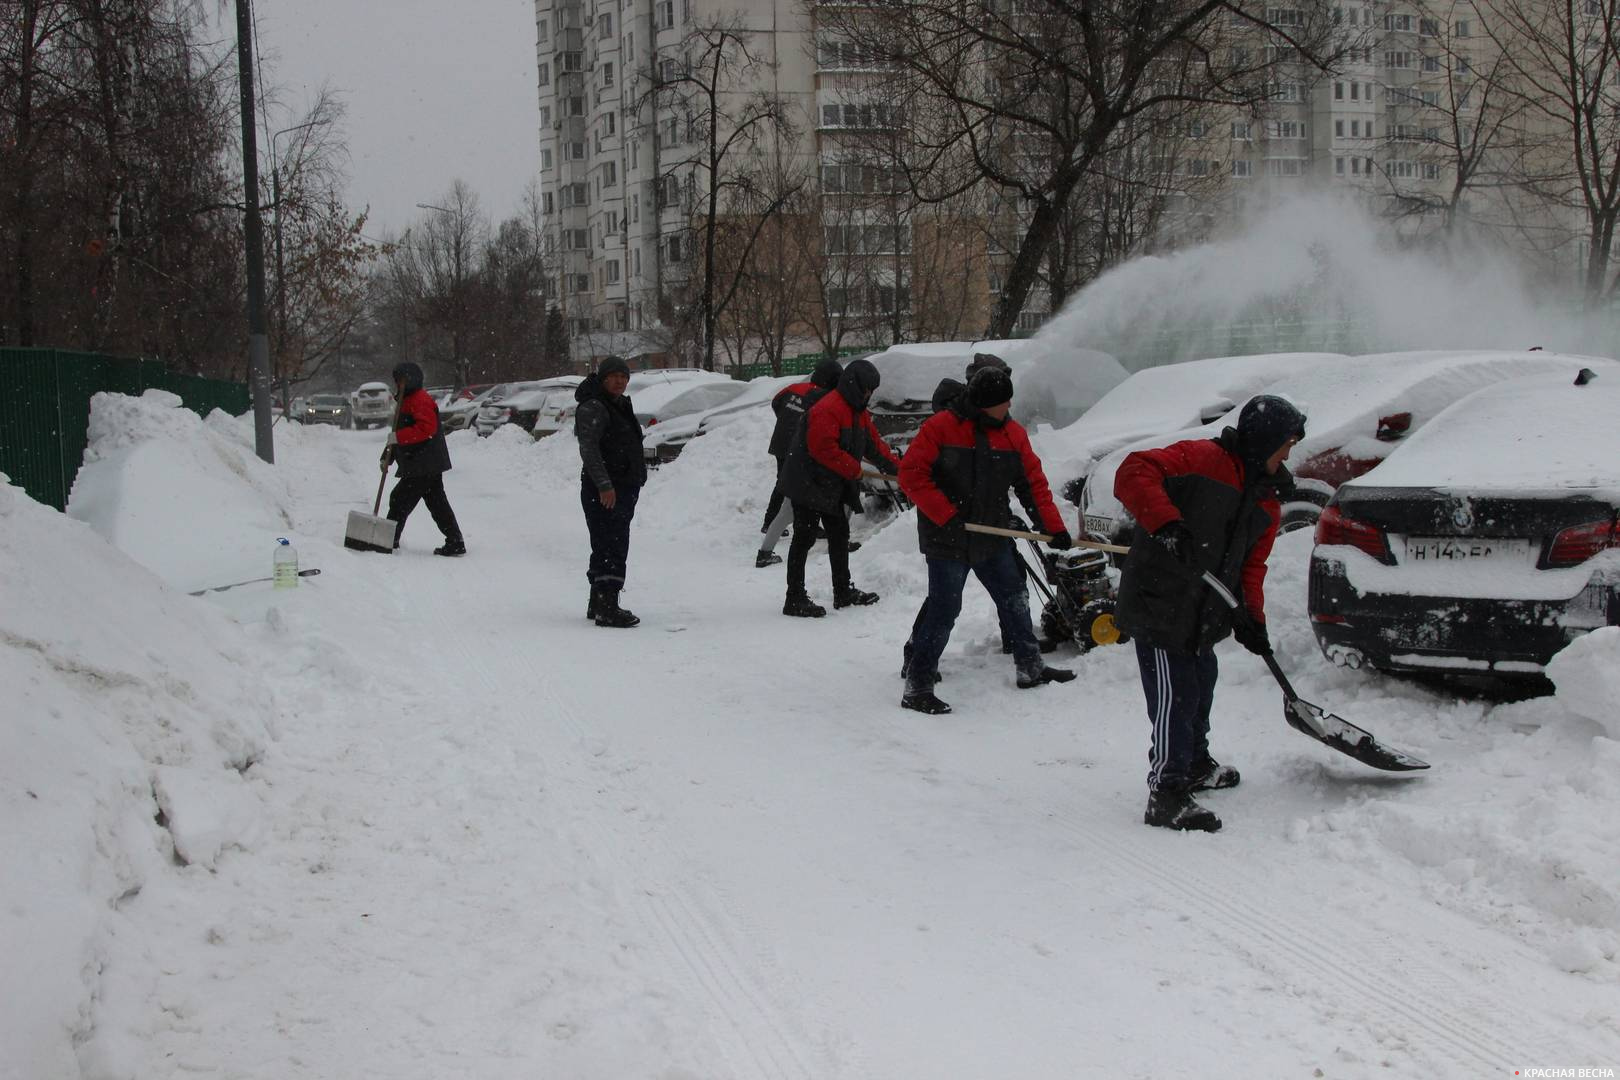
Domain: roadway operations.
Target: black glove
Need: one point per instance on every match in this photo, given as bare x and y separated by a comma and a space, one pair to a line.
1178, 541
1061, 541
387, 458
888, 468
1251, 634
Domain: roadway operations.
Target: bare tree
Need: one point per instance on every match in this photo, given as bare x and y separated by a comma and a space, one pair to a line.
1565, 59
440, 258
732, 135
1026, 95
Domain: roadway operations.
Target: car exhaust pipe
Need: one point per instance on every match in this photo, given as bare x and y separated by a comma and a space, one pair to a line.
1346, 657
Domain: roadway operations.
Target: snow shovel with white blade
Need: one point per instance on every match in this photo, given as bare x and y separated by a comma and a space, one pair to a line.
368, 532
1325, 727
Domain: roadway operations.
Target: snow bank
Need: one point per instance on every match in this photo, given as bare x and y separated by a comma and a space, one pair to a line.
154, 470
1587, 674
133, 716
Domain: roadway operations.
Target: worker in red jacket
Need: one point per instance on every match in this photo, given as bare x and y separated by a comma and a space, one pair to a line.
417, 446
1200, 505
959, 469
822, 476
790, 404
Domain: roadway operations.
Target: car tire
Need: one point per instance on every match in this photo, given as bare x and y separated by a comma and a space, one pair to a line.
1299, 515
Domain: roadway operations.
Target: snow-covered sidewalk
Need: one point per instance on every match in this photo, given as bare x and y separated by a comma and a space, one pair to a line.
437, 824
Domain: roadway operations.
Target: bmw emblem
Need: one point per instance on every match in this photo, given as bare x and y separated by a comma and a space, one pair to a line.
1462, 517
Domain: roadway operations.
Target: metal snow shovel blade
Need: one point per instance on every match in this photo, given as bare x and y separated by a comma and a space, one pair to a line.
368, 532
1326, 728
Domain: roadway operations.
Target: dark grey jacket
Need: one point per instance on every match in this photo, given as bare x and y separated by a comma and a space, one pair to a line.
609, 437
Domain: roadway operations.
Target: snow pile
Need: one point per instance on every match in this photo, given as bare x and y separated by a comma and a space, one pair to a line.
1587, 674
129, 489
133, 715
717, 488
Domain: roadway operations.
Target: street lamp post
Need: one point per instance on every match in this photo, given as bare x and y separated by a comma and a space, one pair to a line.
456, 299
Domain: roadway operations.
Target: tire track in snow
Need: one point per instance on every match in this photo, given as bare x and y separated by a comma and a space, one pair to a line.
699, 951
1442, 1021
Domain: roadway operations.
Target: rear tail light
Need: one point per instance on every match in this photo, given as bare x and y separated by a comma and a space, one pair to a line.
1335, 528
1394, 427
1578, 543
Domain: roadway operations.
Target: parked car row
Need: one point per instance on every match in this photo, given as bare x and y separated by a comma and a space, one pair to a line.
1466, 504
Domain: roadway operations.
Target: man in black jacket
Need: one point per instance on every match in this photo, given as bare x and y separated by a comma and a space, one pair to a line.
610, 481
417, 446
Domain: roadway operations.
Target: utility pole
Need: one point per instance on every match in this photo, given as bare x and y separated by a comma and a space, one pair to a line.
258, 341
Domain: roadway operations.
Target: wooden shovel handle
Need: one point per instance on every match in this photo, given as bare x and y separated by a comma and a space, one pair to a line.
1040, 538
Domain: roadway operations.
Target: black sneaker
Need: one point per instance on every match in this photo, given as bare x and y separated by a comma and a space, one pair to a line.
800, 606
923, 701
1031, 677
452, 548
850, 596
854, 545
766, 558
1178, 810
1213, 776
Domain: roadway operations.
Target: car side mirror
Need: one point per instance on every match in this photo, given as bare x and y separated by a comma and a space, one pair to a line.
1394, 427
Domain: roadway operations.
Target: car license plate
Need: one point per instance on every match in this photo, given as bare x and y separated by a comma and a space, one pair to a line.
1455, 549
1102, 526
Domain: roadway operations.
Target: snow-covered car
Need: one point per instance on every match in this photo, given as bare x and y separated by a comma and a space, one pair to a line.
326, 409
1052, 385
669, 436
371, 405
1487, 544
463, 410
1359, 410
537, 407
1156, 400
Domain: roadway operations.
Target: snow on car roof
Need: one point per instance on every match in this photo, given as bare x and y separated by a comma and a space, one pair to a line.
1530, 433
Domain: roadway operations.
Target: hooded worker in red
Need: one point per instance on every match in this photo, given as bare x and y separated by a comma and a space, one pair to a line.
417, 446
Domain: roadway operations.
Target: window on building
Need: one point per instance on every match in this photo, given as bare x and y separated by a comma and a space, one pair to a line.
664, 14
610, 124
1355, 91
1462, 29
1429, 27
545, 74
635, 261
542, 30
1285, 17
545, 116
1338, 91
1338, 166
547, 205
1241, 168
610, 174
611, 271
604, 25
582, 282
1398, 58
607, 74
570, 61
1397, 22
545, 158
574, 151
1338, 129
573, 106
674, 249
1240, 130
1431, 171
611, 223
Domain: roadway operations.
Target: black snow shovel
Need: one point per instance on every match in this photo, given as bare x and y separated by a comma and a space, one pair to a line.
1313, 720
368, 532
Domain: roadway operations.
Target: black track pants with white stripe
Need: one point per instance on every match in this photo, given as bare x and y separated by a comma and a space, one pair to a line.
1180, 689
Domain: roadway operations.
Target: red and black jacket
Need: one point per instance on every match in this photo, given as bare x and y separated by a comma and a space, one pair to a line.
1233, 521
959, 468
790, 404
420, 448
823, 467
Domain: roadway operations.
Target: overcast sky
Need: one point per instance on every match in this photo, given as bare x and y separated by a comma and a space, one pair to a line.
435, 90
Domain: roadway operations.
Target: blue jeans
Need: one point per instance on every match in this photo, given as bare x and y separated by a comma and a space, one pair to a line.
1003, 578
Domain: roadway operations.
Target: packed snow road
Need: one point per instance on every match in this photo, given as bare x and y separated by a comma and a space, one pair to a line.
498, 841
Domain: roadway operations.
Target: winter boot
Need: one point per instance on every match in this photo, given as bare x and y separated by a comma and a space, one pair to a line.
452, 547
853, 546
609, 613
766, 558
1038, 673
850, 596
590, 607
1178, 810
799, 605
905, 664
1213, 776
919, 695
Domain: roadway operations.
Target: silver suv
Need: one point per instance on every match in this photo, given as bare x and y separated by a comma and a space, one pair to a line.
372, 403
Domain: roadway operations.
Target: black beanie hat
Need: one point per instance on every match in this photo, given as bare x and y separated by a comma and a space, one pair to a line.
612, 365
989, 386
408, 375
1265, 423
826, 373
982, 360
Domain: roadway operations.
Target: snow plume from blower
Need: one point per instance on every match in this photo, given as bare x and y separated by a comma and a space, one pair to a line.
1316, 273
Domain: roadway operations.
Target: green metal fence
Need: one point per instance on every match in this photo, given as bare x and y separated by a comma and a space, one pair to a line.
45, 409
802, 364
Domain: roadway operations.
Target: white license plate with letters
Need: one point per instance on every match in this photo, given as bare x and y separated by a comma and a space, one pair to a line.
1456, 549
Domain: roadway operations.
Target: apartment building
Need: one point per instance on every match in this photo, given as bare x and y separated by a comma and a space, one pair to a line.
620, 195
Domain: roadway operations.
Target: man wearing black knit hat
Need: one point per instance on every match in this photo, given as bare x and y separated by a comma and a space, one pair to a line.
1200, 505
612, 473
960, 468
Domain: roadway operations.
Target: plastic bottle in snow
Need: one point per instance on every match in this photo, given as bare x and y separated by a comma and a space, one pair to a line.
286, 564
